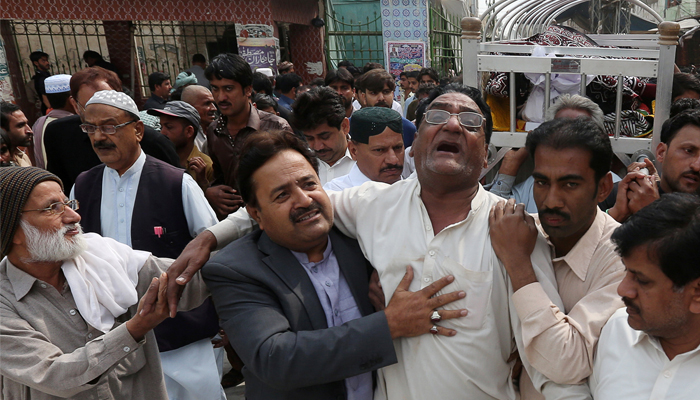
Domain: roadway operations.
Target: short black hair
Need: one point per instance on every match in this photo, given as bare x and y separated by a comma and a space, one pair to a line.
370, 66
257, 149
321, 105
287, 82
263, 100
157, 79
177, 93
37, 55
684, 104
683, 82
470, 92
340, 74
230, 66
58, 100
345, 63
431, 73
261, 83
92, 54
670, 228
672, 125
199, 58
7, 108
316, 82
581, 133
412, 74
376, 79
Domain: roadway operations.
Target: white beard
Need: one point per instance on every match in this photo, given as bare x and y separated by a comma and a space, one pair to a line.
52, 246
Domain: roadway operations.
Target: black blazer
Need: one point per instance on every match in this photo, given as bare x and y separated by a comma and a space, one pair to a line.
275, 321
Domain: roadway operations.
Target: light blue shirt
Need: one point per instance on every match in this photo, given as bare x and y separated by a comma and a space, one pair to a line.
339, 306
119, 196
354, 178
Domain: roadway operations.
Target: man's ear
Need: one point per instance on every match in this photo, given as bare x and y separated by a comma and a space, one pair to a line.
353, 149
248, 90
255, 214
693, 289
140, 129
605, 186
661, 150
190, 132
345, 126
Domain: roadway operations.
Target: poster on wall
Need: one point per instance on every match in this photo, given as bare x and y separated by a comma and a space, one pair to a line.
404, 56
5, 84
258, 46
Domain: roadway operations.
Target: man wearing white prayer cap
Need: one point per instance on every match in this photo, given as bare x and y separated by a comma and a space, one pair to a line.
149, 205
71, 323
58, 93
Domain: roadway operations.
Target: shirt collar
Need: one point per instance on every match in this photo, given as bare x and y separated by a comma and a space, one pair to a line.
345, 158
159, 99
21, 281
579, 257
477, 202
135, 168
253, 122
356, 176
303, 258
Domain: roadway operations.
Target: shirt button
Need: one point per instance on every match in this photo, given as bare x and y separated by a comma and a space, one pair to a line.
43, 286
121, 189
121, 220
121, 204
314, 269
328, 283
72, 312
427, 227
426, 279
126, 349
335, 312
432, 253
667, 374
89, 335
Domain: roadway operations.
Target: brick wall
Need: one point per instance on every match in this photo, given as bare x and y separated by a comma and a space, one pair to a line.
306, 47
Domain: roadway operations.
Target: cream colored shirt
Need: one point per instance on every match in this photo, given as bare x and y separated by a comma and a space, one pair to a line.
632, 365
327, 173
394, 230
560, 343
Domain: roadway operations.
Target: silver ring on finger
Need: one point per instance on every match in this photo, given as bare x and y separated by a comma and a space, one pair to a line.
435, 317
434, 330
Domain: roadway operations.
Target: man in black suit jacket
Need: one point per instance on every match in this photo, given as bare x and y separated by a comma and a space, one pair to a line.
68, 149
293, 296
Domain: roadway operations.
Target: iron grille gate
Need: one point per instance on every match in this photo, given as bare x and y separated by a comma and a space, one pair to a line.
357, 41
445, 42
168, 46
63, 41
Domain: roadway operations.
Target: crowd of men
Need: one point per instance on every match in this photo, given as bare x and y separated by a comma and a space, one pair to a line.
359, 256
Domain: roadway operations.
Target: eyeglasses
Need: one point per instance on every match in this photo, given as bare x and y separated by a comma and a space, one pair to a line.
59, 207
467, 119
106, 129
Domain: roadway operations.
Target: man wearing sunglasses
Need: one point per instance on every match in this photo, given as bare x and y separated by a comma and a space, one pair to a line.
71, 323
438, 224
148, 205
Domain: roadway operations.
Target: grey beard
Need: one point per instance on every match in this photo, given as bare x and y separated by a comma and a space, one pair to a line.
52, 246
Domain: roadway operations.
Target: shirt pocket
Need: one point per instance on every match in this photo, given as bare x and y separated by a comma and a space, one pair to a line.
476, 284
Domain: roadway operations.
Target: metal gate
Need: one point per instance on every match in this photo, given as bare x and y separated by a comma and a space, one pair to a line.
64, 42
359, 41
168, 46
445, 42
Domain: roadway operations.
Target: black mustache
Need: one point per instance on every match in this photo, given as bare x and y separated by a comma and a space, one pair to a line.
555, 212
628, 303
392, 167
296, 214
224, 103
104, 144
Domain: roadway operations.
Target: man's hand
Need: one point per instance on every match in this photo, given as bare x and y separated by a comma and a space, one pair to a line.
155, 299
199, 167
408, 313
191, 260
513, 237
634, 192
512, 161
376, 294
223, 199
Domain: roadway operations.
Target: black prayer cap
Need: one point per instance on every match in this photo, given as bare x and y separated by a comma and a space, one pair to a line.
370, 121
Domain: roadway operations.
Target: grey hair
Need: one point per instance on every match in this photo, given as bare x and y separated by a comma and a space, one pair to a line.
576, 102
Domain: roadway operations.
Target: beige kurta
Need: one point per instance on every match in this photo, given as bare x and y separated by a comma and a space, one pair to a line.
49, 351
